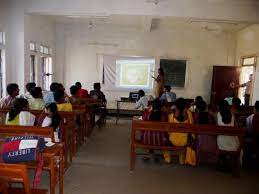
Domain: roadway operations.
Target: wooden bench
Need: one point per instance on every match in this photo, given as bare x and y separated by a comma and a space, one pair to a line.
141, 126
53, 156
17, 173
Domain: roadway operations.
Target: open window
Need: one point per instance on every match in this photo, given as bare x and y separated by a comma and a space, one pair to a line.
47, 73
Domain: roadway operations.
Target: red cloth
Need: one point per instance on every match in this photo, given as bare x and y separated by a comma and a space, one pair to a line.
82, 93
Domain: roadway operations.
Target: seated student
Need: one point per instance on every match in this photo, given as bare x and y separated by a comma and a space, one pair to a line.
36, 103
61, 87
19, 114
180, 115
52, 119
207, 144
13, 92
168, 96
27, 94
97, 94
73, 99
60, 100
48, 97
81, 93
196, 103
143, 100
252, 122
236, 105
225, 118
154, 137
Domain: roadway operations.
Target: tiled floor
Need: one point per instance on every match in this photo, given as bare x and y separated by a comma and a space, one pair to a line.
102, 167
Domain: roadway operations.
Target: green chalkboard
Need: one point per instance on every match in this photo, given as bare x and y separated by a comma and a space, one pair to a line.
175, 72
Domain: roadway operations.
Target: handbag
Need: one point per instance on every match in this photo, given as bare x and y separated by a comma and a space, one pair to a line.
24, 149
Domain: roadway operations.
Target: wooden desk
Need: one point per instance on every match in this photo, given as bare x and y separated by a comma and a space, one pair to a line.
118, 108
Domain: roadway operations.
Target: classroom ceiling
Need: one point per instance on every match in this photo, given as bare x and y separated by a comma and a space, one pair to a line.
150, 23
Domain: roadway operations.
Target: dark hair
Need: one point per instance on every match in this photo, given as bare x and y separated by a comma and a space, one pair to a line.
78, 84
11, 88
141, 93
156, 105
257, 106
53, 86
59, 95
168, 88
19, 105
180, 104
97, 86
225, 112
198, 99
73, 90
30, 85
36, 92
202, 106
237, 103
52, 107
161, 71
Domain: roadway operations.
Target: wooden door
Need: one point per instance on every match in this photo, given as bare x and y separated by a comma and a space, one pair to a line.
222, 78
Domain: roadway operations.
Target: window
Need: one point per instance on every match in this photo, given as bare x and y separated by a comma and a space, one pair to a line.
32, 68
2, 38
126, 73
32, 46
45, 50
41, 49
249, 61
47, 74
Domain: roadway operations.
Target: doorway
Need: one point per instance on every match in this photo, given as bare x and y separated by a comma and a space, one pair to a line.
248, 65
47, 75
32, 68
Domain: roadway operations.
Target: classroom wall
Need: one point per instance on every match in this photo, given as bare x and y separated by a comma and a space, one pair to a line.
41, 30
201, 48
248, 44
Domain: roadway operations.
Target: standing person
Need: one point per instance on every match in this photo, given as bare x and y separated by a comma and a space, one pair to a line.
160, 81
168, 96
248, 86
13, 92
81, 93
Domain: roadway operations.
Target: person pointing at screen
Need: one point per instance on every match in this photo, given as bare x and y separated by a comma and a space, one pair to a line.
160, 81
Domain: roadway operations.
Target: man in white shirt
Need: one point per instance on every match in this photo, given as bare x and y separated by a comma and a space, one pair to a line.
143, 100
248, 90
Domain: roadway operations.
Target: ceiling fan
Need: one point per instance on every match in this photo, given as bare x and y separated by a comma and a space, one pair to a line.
155, 2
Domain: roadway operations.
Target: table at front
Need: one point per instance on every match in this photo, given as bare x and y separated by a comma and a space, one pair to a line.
118, 110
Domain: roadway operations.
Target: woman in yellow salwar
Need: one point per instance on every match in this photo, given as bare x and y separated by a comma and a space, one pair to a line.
180, 115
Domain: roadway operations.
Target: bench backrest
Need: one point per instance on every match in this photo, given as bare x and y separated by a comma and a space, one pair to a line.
11, 130
140, 125
16, 173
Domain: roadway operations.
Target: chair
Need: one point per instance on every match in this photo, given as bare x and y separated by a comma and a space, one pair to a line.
17, 173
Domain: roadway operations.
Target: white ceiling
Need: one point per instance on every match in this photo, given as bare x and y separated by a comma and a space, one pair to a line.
152, 23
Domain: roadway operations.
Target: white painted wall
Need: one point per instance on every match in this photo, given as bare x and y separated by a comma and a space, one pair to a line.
248, 44
237, 10
40, 30
201, 49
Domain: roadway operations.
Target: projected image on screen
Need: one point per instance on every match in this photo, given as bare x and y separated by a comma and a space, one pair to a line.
134, 73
